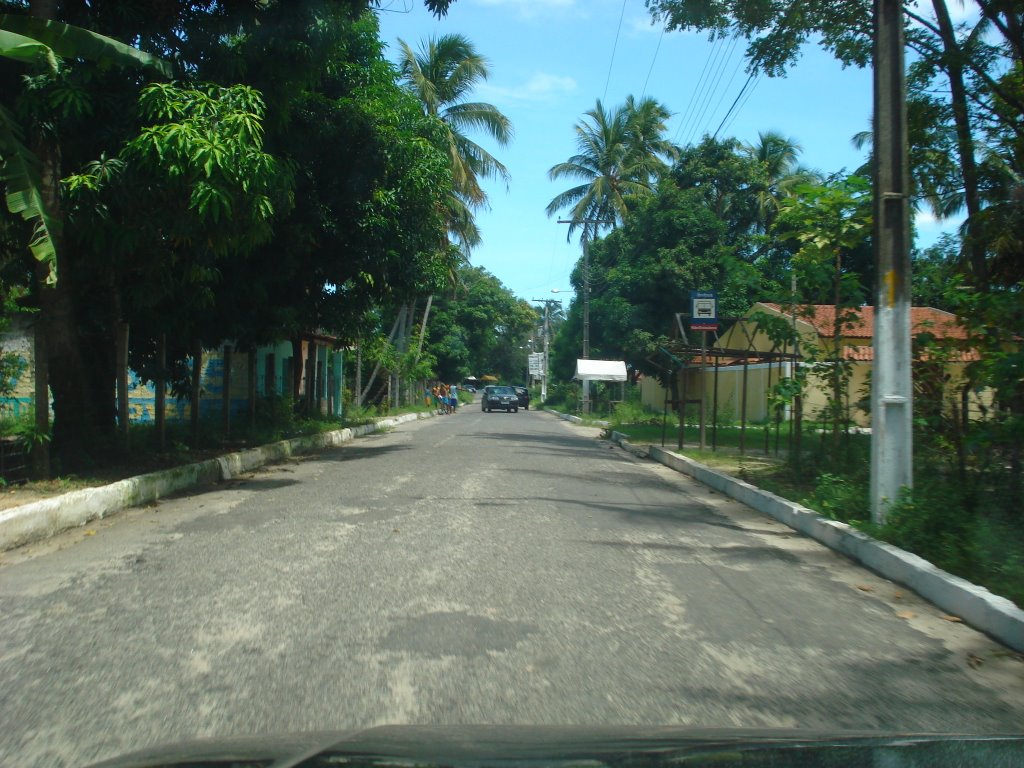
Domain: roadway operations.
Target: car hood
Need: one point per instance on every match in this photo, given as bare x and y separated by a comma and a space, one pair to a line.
583, 747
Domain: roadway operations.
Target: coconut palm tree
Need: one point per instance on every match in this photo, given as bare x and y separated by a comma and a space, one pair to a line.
442, 75
621, 153
777, 156
650, 153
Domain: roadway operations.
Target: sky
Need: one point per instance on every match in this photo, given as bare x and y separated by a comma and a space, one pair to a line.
550, 60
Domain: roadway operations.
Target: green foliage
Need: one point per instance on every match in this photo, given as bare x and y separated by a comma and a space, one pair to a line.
633, 413
39, 41
832, 224
442, 75
621, 154
695, 232
26, 429
480, 328
840, 498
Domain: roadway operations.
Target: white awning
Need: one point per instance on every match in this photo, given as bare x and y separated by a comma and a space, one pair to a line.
600, 370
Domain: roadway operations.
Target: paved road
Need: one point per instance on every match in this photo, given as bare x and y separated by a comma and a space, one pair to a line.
502, 568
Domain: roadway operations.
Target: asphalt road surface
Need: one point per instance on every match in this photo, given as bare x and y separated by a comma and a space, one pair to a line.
474, 568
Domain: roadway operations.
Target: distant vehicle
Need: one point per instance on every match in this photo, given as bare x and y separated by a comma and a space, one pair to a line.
523, 395
499, 398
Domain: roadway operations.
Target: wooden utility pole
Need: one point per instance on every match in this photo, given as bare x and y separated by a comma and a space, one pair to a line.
891, 388
586, 294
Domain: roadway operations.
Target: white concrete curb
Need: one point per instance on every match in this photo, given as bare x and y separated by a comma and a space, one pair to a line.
42, 519
573, 419
978, 607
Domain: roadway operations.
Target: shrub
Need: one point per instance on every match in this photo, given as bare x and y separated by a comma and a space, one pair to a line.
840, 498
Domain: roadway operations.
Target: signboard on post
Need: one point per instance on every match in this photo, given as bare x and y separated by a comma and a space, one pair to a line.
704, 310
536, 363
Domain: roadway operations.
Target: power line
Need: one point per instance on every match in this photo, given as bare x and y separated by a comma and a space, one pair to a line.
687, 114
721, 56
656, 49
711, 91
733, 110
614, 47
725, 90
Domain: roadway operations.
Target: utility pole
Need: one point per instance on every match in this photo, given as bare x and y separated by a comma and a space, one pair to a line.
586, 293
891, 388
547, 344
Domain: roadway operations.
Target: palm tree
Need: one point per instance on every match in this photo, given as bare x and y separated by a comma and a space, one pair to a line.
650, 152
621, 154
777, 156
442, 75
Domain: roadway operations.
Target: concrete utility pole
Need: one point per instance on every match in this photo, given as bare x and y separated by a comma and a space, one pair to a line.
586, 293
891, 388
547, 344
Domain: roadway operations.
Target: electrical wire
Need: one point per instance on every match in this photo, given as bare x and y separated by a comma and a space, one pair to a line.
651, 69
725, 90
687, 113
733, 108
614, 47
723, 61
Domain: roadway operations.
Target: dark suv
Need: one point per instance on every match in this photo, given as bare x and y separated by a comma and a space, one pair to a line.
499, 398
523, 395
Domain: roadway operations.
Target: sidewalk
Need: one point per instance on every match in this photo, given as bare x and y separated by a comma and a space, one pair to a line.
42, 519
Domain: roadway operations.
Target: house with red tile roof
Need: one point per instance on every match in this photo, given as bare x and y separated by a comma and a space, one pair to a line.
750, 364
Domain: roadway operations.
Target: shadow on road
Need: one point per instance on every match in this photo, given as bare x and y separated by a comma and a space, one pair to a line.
659, 514
255, 484
352, 452
567, 441
729, 552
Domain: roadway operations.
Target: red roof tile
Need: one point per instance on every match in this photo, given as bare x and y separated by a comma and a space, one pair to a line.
862, 320
866, 354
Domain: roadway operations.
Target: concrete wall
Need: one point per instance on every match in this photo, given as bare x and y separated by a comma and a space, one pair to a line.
273, 377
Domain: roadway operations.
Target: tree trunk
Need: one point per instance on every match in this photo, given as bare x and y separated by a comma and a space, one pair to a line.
953, 66
376, 367
225, 395
197, 390
41, 403
160, 390
251, 397
298, 367
122, 384
78, 423
423, 327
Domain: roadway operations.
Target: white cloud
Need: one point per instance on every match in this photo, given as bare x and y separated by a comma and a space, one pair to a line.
540, 87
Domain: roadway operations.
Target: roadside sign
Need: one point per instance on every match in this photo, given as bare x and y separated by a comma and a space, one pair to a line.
536, 363
704, 310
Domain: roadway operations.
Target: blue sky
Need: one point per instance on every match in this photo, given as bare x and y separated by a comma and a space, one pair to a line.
551, 59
